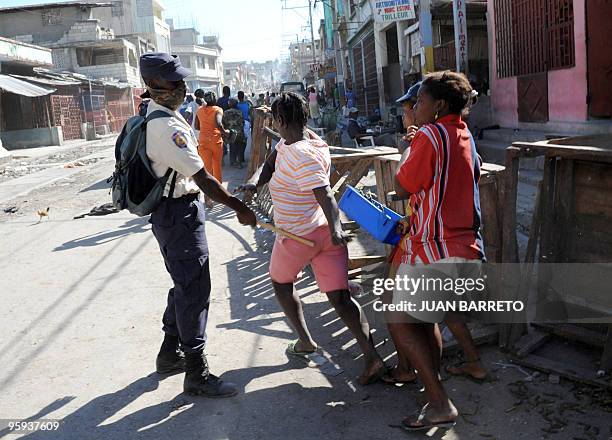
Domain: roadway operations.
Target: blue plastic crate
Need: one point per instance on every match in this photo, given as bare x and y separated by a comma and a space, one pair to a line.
375, 218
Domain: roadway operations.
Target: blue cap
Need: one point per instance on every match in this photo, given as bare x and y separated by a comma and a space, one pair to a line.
411, 94
162, 65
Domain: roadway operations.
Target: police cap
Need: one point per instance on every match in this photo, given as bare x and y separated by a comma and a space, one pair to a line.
162, 65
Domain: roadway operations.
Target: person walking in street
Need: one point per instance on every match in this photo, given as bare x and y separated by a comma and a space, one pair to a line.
245, 107
178, 226
313, 105
223, 101
209, 120
298, 174
349, 96
439, 173
233, 120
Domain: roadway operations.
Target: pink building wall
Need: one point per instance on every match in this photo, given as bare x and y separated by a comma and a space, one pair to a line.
567, 88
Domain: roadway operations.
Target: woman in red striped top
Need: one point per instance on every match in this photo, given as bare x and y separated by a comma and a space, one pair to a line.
439, 174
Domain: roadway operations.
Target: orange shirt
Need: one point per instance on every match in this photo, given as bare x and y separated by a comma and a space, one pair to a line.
210, 134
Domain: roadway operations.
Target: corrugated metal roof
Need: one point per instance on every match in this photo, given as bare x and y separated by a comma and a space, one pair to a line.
24, 88
48, 81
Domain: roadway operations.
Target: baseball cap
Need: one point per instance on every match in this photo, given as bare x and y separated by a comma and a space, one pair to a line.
411, 94
162, 65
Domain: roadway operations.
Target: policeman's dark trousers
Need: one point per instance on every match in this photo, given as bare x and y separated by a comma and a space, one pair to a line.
178, 226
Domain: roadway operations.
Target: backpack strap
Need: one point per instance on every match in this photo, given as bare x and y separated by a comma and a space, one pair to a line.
156, 115
172, 182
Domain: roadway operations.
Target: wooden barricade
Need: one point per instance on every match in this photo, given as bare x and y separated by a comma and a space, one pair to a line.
571, 224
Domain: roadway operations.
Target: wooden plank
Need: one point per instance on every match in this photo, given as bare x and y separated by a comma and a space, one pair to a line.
575, 333
338, 173
364, 153
606, 357
534, 229
593, 200
576, 152
481, 336
564, 369
510, 245
563, 211
357, 262
356, 173
350, 226
530, 342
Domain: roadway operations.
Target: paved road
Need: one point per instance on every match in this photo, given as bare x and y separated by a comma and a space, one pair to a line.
82, 303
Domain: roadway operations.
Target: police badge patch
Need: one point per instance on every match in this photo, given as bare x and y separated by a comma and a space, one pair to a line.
179, 139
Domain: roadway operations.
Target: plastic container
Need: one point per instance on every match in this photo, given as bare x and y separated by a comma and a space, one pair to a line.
375, 218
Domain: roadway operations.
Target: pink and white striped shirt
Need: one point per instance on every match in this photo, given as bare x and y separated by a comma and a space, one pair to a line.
300, 167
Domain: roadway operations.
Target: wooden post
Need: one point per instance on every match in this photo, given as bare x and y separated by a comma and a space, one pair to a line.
510, 272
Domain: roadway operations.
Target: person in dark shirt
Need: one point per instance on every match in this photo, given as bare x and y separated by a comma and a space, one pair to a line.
354, 130
223, 102
357, 132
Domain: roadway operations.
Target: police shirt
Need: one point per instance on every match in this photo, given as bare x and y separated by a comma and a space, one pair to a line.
171, 143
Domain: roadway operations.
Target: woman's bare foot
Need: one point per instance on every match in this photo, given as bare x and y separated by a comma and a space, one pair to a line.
472, 369
305, 346
374, 370
439, 415
399, 375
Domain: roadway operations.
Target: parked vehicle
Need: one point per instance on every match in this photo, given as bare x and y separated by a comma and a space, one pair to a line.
293, 86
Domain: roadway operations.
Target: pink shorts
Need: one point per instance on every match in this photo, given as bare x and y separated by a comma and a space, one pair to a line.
329, 262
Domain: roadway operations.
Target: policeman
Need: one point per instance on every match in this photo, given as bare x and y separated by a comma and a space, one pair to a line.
178, 226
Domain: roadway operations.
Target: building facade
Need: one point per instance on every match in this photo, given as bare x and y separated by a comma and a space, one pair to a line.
79, 42
202, 57
550, 64
138, 19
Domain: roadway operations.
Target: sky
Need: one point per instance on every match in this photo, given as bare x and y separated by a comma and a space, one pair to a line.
256, 30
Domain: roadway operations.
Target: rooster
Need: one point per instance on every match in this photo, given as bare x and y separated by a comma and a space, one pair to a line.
43, 213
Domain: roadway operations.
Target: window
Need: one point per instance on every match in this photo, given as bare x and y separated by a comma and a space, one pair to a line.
186, 61
51, 17
352, 7
200, 64
533, 36
117, 9
212, 63
132, 58
227, 72
561, 34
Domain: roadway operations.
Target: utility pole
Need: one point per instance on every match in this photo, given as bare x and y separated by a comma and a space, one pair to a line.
314, 49
425, 28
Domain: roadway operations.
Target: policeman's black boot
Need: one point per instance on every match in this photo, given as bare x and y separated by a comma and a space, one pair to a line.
200, 382
170, 359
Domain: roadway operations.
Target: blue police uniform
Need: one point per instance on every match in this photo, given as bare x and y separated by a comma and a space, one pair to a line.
178, 226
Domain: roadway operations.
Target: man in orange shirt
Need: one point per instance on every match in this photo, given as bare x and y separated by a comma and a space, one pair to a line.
209, 121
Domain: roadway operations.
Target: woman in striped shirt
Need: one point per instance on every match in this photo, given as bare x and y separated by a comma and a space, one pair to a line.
304, 204
439, 174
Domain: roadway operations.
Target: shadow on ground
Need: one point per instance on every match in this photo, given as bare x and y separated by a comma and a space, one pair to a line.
134, 226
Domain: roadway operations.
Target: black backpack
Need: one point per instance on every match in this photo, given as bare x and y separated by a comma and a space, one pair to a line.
135, 186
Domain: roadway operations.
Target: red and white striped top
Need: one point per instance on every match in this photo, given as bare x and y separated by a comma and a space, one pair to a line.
300, 167
441, 173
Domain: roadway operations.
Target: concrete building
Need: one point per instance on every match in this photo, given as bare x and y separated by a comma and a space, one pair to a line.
235, 76
380, 58
550, 66
138, 20
202, 57
25, 119
79, 42
303, 68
